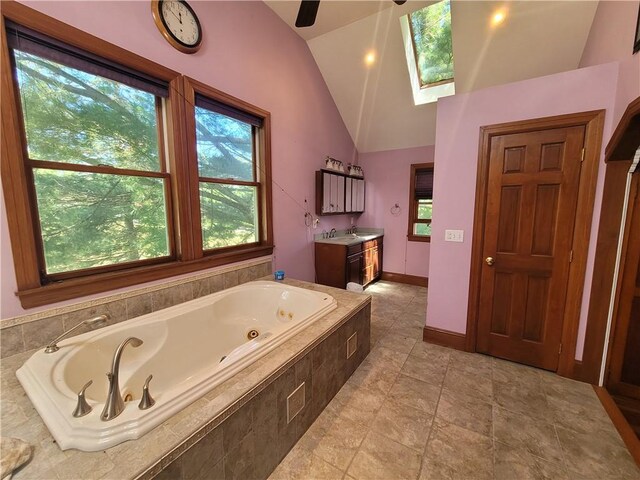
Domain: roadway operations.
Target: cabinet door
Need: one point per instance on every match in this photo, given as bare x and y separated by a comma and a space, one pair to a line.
347, 195
326, 192
358, 195
354, 268
340, 193
334, 193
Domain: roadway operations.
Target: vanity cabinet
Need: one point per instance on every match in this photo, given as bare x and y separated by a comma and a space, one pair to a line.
337, 265
338, 193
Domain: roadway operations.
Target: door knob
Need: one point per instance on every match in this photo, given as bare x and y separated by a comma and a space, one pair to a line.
489, 261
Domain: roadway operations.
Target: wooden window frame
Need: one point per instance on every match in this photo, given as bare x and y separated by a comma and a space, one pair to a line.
262, 166
413, 204
17, 184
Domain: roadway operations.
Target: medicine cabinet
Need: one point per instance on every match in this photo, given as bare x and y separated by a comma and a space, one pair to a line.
338, 193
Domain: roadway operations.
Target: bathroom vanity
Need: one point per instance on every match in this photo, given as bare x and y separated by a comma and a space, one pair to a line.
349, 258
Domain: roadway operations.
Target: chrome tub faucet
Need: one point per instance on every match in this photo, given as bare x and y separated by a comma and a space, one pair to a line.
115, 404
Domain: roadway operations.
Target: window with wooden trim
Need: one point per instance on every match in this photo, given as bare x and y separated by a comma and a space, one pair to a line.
420, 202
117, 170
94, 154
228, 184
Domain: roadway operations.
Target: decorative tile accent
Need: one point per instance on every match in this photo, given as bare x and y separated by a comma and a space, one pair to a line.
254, 439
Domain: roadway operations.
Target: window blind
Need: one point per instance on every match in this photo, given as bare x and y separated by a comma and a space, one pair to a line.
424, 184
29, 41
227, 110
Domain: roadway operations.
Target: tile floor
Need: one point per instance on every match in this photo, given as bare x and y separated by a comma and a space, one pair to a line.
414, 410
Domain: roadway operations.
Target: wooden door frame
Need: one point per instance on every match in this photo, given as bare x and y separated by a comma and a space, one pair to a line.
593, 121
623, 302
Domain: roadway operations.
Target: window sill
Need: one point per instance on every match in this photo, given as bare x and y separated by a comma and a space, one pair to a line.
80, 287
419, 238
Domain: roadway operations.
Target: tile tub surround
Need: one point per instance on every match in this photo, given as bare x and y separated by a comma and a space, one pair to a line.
156, 450
21, 334
251, 442
419, 411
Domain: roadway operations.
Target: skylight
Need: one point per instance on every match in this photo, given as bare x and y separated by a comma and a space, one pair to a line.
431, 35
428, 47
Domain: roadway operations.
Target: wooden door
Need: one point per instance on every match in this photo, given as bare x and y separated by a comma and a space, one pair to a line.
624, 360
530, 212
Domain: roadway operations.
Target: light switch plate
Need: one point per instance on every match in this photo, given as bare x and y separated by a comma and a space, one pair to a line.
454, 236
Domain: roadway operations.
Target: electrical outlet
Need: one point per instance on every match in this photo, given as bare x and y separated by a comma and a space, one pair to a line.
454, 236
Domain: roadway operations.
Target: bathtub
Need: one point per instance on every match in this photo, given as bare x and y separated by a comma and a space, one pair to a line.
189, 349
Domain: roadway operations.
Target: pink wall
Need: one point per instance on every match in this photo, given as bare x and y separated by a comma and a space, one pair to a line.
611, 40
248, 52
458, 123
388, 175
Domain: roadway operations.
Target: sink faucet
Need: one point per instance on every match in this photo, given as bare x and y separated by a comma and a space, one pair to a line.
115, 404
353, 230
92, 322
332, 233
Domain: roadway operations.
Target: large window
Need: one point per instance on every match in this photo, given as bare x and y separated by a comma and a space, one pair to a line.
95, 157
117, 170
420, 202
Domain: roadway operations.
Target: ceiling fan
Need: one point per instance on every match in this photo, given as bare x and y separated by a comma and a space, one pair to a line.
309, 10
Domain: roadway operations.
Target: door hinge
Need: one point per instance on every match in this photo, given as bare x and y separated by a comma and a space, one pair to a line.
582, 155
571, 256
560, 349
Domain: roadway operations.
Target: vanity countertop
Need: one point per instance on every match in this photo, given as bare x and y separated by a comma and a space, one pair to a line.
344, 238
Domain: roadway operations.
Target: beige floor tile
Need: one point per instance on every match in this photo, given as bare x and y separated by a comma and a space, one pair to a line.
516, 463
405, 425
465, 383
301, 464
415, 393
407, 330
465, 411
374, 376
431, 351
430, 370
359, 404
380, 458
472, 363
334, 438
397, 343
526, 433
509, 372
456, 453
522, 399
596, 455
384, 357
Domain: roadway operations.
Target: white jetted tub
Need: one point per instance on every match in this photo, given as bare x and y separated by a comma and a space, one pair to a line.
189, 349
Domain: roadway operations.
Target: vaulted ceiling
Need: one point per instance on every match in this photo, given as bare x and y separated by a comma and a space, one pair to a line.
537, 38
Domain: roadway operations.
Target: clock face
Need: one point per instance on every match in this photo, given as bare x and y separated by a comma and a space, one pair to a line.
179, 24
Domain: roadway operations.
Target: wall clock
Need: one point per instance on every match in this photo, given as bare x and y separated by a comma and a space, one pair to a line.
178, 23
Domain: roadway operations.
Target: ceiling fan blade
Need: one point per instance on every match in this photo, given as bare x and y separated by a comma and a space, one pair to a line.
400, 2
307, 13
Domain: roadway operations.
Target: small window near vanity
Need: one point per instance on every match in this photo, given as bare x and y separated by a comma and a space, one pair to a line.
420, 202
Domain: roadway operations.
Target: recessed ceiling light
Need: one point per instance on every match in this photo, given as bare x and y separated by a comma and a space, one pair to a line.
370, 58
498, 17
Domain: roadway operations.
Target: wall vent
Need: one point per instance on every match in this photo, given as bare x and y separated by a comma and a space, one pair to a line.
352, 344
295, 402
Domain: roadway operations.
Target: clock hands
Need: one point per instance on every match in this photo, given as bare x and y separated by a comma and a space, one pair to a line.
178, 17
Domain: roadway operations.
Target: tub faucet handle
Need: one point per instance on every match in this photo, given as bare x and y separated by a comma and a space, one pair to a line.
147, 400
82, 408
